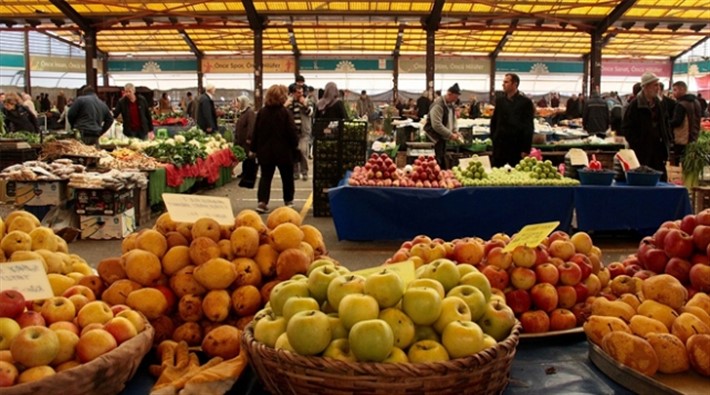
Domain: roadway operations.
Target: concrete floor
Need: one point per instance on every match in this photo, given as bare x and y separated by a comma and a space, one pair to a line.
354, 255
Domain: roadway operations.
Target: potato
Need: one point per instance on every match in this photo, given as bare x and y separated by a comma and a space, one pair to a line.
671, 353
631, 351
597, 327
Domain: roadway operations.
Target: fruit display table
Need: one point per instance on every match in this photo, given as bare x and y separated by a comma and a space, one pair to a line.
372, 213
624, 207
157, 183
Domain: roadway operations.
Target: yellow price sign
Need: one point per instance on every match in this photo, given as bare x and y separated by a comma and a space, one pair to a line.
531, 235
405, 269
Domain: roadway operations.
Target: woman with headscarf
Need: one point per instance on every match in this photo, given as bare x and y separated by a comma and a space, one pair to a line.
330, 105
18, 118
244, 127
275, 143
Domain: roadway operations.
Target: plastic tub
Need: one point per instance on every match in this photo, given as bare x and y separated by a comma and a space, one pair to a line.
643, 179
596, 177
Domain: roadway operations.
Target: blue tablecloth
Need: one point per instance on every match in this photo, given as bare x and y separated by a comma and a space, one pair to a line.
370, 213
624, 207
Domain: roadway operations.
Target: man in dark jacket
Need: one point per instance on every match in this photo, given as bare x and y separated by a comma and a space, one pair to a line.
205, 113
686, 120
645, 126
596, 115
512, 124
90, 116
423, 104
135, 113
572, 109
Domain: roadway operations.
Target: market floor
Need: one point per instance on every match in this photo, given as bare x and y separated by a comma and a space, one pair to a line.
354, 255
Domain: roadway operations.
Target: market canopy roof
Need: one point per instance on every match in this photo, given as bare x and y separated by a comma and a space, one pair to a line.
629, 28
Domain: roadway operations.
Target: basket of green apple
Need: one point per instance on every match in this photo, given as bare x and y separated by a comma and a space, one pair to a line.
335, 332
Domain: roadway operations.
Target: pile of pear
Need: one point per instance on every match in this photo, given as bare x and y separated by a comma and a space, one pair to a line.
656, 328
190, 278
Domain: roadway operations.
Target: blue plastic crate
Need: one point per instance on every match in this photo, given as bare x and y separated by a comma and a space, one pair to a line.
643, 179
596, 177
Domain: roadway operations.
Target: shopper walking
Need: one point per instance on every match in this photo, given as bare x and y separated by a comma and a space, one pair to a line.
275, 143
205, 113
685, 121
441, 125
302, 111
644, 126
512, 124
17, 117
90, 116
135, 113
595, 117
244, 127
330, 105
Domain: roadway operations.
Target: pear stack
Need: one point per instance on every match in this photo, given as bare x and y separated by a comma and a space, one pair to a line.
654, 327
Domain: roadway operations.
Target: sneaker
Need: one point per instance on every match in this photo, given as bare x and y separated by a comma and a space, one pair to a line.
289, 204
304, 177
261, 208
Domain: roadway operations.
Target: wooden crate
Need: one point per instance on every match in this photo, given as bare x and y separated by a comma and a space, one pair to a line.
701, 198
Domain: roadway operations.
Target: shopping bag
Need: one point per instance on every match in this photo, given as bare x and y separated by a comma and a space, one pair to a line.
249, 170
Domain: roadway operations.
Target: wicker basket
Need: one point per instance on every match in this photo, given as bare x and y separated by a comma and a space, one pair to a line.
105, 375
283, 372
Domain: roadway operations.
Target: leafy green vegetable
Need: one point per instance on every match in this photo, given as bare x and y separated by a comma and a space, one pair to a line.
696, 157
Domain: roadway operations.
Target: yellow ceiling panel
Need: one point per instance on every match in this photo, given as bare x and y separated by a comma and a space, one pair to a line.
540, 43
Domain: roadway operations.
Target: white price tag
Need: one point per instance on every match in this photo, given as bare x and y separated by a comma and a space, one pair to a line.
190, 208
26, 277
578, 157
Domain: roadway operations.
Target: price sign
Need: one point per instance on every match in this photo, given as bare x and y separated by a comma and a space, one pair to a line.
190, 208
405, 270
578, 157
26, 277
531, 235
629, 156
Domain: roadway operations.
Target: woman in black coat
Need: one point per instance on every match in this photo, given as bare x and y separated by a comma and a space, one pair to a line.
330, 105
18, 118
275, 144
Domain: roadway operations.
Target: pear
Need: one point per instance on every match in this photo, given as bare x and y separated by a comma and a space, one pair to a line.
687, 325
598, 326
672, 356
700, 299
642, 326
665, 289
659, 311
617, 308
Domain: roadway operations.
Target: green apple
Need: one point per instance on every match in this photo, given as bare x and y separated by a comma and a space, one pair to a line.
268, 329
285, 290
462, 338
453, 309
488, 341
318, 280
263, 313
428, 283
340, 349
497, 320
283, 344
371, 340
478, 280
422, 305
427, 351
337, 328
354, 308
309, 332
319, 263
386, 287
397, 355
402, 326
465, 268
298, 303
473, 297
9, 328
422, 332
299, 277
444, 271
343, 285
420, 270
327, 308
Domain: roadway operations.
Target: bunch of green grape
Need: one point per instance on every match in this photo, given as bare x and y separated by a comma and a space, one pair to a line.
475, 171
545, 171
527, 164
510, 177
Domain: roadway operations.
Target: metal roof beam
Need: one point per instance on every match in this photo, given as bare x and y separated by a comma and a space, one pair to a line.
504, 39
697, 44
72, 14
190, 43
614, 15
398, 44
432, 21
256, 21
292, 40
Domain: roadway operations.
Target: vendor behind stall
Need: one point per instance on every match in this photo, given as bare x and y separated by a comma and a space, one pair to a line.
90, 116
442, 123
17, 117
135, 113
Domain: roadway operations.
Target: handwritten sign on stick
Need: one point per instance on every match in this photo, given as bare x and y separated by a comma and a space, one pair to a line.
27, 277
190, 208
531, 235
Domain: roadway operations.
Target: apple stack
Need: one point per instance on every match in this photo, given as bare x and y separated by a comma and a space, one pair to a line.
657, 329
380, 171
188, 278
447, 312
680, 248
62, 334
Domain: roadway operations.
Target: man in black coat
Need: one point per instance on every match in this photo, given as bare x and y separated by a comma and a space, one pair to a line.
205, 113
512, 124
685, 121
135, 113
596, 115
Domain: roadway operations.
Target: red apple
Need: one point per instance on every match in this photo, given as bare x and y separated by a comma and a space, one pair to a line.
500, 258
12, 303
570, 273
117, 308
544, 296
496, 276
670, 224
703, 217
680, 269
518, 300
522, 278
700, 258
541, 255
536, 321
644, 274
121, 329
557, 235
169, 296
566, 296
700, 277
524, 256
80, 290
30, 318
659, 237
593, 284
93, 344
616, 269
631, 260
563, 249
678, 244
633, 269
645, 244
490, 244
562, 319
66, 325
547, 273
582, 311
688, 223
584, 263
582, 292
468, 251
421, 239
406, 245
701, 237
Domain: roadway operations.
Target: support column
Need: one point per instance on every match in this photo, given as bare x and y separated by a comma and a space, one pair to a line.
90, 63
430, 61
395, 78
492, 80
595, 62
585, 74
200, 75
28, 76
258, 68
104, 65
297, 66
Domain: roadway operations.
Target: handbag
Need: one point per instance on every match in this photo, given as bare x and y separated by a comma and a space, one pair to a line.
249, 170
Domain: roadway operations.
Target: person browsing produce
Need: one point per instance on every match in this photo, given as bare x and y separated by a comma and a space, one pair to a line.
442, 122
135, 113
512, 124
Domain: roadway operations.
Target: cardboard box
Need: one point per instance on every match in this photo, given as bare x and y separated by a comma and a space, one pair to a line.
102, 201
108, 227
37, 193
